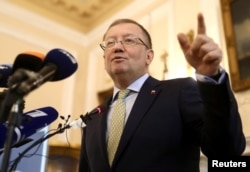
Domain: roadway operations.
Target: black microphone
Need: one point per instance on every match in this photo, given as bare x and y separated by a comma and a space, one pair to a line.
81, 122
5, 72
58, 64
25, 64
30, 60
97, 110
32, 122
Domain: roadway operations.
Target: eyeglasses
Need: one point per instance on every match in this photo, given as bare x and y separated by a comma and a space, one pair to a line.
110, 43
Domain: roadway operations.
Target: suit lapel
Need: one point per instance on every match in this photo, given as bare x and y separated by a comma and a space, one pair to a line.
102, 130
145, 98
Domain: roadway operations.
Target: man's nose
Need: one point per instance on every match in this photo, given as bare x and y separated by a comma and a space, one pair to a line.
119, 44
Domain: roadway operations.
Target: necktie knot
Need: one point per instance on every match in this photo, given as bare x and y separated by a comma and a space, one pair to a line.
122, 94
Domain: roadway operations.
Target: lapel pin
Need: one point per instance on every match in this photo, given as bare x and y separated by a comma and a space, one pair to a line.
153, 92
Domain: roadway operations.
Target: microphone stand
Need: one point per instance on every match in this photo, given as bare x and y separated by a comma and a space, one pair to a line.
14, 120
13, 99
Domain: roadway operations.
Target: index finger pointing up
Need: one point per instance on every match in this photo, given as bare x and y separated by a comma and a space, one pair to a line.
201, 24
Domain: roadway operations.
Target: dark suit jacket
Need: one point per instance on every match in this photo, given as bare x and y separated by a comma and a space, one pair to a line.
168, 124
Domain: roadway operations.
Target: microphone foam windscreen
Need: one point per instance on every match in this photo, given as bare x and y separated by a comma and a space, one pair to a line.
29, 60
65, 62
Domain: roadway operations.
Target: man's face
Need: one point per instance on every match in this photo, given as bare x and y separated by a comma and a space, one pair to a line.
123, 58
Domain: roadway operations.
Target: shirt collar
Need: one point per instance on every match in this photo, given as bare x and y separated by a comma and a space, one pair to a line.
135, 86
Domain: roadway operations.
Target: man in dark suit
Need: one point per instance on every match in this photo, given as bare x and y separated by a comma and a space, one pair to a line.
167, 123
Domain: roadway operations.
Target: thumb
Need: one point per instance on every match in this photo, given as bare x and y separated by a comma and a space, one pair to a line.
184, 43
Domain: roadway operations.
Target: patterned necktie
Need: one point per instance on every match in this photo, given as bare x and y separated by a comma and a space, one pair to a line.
117, 124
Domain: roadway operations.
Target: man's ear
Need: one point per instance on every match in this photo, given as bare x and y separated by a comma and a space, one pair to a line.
150, 56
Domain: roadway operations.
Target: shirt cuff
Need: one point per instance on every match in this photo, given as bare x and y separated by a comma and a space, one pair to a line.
206, 79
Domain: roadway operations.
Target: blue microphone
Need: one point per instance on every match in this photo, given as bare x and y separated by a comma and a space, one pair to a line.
5, 72
57, 65
63, 62
32, 122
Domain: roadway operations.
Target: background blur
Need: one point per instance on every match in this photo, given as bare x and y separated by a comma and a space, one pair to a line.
78, 26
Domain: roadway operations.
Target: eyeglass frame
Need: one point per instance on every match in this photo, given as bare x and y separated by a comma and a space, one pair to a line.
122, 42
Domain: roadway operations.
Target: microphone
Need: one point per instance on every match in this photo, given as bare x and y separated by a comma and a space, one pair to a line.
29, 60
32, 122
58, 64
81, 122
24, 66
97, 110
64, 63
5, 72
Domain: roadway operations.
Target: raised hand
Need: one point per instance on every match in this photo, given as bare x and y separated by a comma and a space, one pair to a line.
203, 53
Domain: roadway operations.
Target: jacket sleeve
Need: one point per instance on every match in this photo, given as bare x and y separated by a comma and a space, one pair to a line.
221, 134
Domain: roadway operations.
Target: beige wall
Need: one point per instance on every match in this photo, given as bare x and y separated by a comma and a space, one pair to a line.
76, 95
